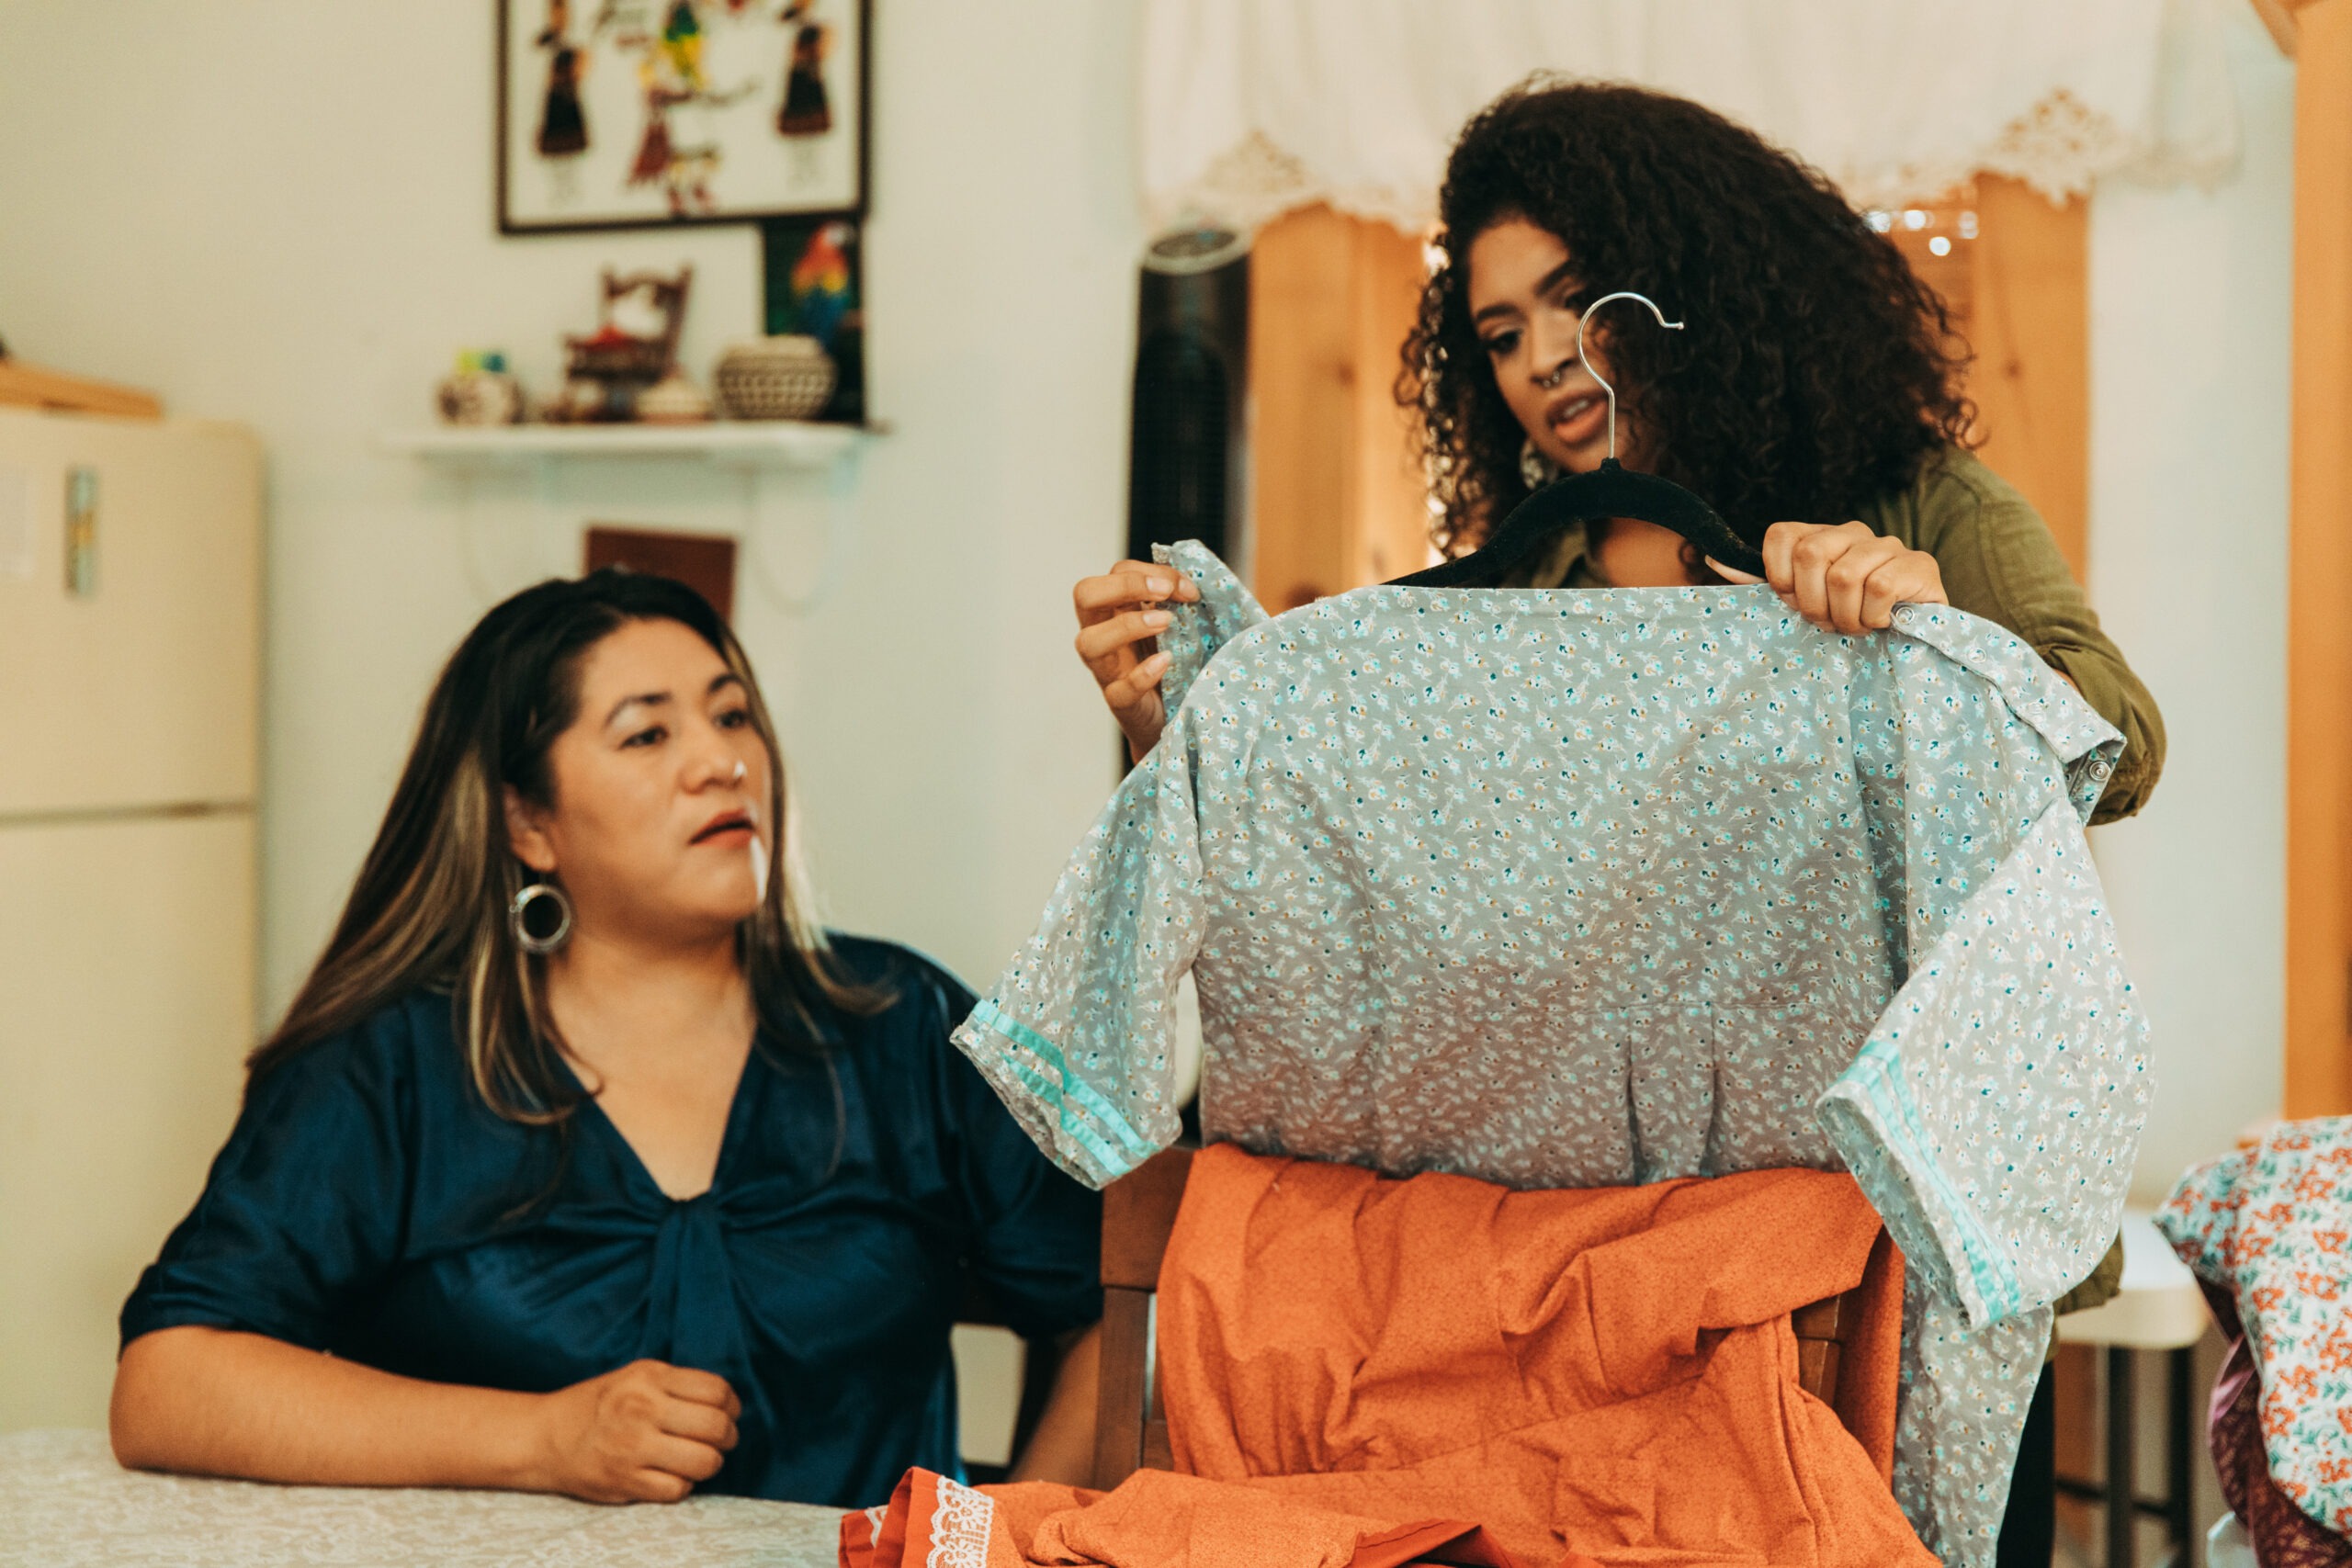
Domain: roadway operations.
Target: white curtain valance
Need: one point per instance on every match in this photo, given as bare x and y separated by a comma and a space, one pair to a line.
1252, 107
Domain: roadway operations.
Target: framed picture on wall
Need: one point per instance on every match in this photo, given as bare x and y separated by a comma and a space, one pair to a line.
632, 113
815, 285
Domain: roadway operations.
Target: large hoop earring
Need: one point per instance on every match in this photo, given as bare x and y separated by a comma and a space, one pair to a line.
540, 917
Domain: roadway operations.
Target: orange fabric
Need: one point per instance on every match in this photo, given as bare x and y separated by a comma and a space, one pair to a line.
1611, 1371
1153, 1520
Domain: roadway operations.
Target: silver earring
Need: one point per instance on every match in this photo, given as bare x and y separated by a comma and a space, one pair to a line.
1534, 468
540, 917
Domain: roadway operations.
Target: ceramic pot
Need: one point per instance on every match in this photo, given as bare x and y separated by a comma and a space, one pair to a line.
673, 400
790, 376
482, 392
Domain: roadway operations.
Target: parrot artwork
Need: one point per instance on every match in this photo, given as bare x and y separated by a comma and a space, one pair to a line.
822, 293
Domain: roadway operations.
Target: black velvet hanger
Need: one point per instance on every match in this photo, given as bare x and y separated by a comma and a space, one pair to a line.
1609, 491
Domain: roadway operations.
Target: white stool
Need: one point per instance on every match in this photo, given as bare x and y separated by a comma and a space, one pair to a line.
2159, 1308
2228, 1546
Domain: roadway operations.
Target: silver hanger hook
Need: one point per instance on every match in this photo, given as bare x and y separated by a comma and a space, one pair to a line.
1585, 320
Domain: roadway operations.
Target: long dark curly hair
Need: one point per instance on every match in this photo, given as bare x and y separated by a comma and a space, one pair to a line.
1815, 372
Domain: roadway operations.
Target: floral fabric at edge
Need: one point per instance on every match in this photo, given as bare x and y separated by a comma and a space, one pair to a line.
2268, 1226
1590, 887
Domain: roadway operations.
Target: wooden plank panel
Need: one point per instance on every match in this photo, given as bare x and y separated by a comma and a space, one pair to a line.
30, 386
2318, 575
1388, 506
1339, 501
1302, 369
2029, 319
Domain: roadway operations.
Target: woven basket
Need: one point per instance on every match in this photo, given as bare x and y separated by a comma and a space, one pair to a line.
775, 378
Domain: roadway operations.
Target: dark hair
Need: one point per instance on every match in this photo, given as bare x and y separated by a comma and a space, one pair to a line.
1814, 374
429, 909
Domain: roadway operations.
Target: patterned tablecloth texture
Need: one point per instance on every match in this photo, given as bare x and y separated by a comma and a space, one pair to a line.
65, 1501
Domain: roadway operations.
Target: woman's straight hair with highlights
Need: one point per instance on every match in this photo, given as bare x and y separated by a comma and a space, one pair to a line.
429, 909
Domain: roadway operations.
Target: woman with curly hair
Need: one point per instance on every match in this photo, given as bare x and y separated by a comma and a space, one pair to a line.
1813, 399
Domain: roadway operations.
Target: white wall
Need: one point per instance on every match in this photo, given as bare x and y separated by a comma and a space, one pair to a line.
280, 212
2189, 341
272, 212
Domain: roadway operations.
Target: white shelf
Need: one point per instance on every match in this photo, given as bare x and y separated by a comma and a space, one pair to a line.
761, 444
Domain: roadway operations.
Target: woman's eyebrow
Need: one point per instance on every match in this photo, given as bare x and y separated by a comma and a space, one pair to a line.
1564, 273
645, 699
720, 681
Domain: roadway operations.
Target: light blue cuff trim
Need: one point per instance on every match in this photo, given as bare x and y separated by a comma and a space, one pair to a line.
1875, 1073
1061, 1094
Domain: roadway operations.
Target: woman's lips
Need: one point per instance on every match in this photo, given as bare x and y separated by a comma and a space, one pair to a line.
734, 827
1577, 419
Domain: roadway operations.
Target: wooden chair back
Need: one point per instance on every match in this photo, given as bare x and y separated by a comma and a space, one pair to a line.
1139, 1213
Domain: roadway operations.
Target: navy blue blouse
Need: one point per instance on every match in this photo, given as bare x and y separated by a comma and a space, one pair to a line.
366, 1204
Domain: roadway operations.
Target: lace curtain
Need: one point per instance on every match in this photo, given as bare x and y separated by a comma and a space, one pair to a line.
1252, 107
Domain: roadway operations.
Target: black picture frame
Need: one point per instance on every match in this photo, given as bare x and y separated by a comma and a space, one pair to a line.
857, 138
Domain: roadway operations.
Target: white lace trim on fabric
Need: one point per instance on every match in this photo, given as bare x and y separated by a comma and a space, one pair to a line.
2060, 147
1250, 108
959, 1526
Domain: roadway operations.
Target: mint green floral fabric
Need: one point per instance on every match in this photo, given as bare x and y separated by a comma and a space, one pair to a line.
1573, 888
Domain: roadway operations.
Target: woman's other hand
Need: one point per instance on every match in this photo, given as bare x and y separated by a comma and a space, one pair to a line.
1119, 620
1843, 578
646, 1433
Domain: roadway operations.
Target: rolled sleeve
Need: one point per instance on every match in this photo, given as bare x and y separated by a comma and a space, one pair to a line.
303, 1208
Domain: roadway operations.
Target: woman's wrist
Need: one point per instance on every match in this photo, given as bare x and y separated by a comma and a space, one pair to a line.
458, 1435
527, 1451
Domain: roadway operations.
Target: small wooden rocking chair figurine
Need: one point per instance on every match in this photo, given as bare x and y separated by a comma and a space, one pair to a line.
606, 370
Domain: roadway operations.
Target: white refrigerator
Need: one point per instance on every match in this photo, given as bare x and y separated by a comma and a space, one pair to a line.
129, 686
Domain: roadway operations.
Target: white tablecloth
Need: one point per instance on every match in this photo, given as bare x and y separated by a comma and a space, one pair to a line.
65, 1501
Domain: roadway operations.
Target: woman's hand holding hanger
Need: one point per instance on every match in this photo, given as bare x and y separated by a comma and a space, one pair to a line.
1843, 578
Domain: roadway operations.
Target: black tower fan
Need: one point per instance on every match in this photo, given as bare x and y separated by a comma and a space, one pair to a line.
1188, 467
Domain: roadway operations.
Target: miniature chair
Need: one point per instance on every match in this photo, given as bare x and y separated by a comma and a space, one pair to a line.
1140, 1213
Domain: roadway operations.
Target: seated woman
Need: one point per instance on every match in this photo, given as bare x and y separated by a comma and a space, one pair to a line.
584, 1162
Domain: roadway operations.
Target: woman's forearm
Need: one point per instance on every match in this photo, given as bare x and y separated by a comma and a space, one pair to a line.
215, 1402
1062, 1448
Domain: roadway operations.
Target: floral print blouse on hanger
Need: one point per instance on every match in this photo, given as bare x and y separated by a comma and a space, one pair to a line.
1572, 888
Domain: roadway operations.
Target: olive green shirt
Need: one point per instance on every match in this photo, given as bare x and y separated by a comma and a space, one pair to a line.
1997, 561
